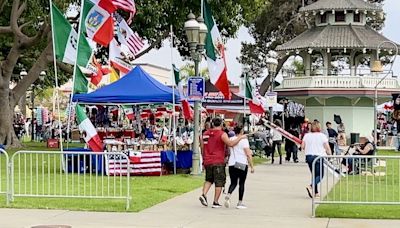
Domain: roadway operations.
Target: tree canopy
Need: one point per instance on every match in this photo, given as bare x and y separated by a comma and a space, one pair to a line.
25, 42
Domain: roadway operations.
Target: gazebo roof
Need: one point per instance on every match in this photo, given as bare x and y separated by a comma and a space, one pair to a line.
341, 5
337, 37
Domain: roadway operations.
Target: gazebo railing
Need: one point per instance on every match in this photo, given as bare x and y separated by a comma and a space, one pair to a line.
356, 82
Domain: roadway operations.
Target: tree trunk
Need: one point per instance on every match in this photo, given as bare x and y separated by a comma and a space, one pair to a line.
7, 134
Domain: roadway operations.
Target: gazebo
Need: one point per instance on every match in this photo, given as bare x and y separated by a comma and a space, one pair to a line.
335, 50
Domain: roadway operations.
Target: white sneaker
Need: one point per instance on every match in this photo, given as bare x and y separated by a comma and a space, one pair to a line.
241, 206
227, 203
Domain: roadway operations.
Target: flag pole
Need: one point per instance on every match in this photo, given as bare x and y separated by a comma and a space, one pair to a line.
202, 8
244, 99
173, 98
56, 77
74, 73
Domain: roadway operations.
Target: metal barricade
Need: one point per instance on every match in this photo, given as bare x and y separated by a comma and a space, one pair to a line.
356, 179
56, 174
4, 175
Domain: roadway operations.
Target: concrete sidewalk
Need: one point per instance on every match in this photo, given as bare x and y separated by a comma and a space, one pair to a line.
275, 196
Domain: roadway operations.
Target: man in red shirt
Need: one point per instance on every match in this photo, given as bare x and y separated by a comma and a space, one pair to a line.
213, 146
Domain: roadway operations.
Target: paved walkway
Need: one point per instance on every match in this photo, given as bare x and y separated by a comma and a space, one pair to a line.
275, 197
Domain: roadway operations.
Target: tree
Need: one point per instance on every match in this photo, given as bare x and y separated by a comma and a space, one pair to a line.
26, 40
277, 23
188, 70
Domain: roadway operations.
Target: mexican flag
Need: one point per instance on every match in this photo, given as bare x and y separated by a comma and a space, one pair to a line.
128, 110
98, 23
215, 52
81, 84
187, 110
255, 103
178, 81
84, 59
65, 37
91, 138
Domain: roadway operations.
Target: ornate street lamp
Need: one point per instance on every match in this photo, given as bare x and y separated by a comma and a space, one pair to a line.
196, 32
192, 28
377, 68
272, 64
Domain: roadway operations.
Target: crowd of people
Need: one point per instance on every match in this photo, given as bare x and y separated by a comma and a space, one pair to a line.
316, 141
41, 131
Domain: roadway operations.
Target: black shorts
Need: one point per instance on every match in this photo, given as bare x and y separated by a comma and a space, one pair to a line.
216, 174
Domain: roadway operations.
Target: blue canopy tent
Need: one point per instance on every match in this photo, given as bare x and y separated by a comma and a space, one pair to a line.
137, 87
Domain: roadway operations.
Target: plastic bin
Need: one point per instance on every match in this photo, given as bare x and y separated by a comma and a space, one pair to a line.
84, 162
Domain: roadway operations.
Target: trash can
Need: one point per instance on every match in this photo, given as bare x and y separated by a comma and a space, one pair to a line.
354, 138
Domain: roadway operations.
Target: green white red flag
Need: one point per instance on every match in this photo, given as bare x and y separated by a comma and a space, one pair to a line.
65, 37
215, 52
92, 138
255, 101
128, 110
178, 80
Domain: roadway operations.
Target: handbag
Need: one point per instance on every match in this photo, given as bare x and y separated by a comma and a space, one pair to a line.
238, 165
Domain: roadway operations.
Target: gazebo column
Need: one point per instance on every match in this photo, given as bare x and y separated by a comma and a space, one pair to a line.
373, 59
353, 64
357, 62
307, 63
327, 62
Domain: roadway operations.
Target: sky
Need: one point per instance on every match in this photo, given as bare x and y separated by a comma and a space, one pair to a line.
162, 57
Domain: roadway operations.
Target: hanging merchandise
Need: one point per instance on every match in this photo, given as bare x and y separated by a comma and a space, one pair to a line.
45, 115
39, 119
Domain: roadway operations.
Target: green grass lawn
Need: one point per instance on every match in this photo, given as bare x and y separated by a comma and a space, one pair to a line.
48, 178
366, 188
145, 192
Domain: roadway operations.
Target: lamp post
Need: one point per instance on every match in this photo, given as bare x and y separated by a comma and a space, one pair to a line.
377, 67
33, 86
245, 76
196, 32
272, 64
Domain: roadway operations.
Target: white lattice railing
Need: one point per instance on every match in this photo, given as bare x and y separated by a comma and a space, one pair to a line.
338, 82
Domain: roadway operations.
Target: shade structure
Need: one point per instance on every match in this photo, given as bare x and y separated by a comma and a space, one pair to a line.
135, 87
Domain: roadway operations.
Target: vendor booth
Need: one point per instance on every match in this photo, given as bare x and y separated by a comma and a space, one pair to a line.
148, 155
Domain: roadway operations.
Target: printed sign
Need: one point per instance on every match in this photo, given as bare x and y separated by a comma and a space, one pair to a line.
196, 88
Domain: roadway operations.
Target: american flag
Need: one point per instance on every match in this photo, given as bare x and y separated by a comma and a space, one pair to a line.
126, 5
145, 163
126, 36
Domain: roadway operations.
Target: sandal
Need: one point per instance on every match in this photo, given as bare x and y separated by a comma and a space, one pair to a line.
309, 191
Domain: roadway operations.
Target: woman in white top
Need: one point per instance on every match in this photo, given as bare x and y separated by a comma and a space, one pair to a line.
315, 144
240, 156
276, 142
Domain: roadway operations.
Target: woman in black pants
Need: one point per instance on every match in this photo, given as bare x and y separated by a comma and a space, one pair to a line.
239, 161
276, 142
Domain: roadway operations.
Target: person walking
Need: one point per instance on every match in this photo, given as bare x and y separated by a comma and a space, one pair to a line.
240, 159
276, 142
341, 129
315, 144
213, 144
291, 148
332, 136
